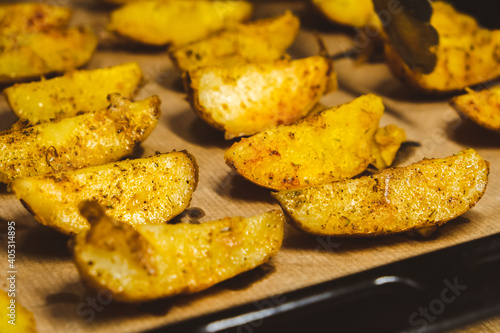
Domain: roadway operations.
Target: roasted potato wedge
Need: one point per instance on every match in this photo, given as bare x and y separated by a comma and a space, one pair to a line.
246, 99
85, 140
466, 54
74, 93
154, 261
482, 107
425, 194
21, 18
147, 190
353, 13
259, 41
328, 146
10, 310
160, 22
31, 55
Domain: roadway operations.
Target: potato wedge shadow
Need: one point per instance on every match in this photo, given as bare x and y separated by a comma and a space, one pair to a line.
191, 128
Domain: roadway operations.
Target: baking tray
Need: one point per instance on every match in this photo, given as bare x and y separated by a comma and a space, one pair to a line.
48, 283
434, 292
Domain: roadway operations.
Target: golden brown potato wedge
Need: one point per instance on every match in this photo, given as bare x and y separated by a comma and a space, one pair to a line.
354, 13
246, 99
154, 261
149, 190
328, 146
15, 317
31, 55
259, 41
74, 93
425, 194
21, 18
160, 22
466, 54
482, 107
85, 140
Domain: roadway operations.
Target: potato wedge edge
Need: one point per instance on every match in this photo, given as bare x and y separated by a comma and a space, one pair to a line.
156, 261
425, 194
146, 190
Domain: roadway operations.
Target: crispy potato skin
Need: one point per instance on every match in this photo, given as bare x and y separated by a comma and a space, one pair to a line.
160, 22
74, 93
244, 100
328, 146
148, 190
356, 13
85, 140
425, 194
466, 55
23, 18
32, 55
25, 322
156, 261
482, 107
260, 41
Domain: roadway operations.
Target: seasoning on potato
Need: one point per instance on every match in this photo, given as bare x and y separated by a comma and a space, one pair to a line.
246, 99
147, 190
147, 262
482, 107
263, 40
31, 55
466, 55
74, 93
20, 18
354, 13
332, 145
90, 139
425, 194
161, 22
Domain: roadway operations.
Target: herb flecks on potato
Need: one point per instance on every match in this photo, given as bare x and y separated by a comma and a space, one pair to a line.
332, 145
246, 99
90, 139
73, 93
263, 40
356, 13
425, 194
31, 55
148, 190
482, 107
148, 262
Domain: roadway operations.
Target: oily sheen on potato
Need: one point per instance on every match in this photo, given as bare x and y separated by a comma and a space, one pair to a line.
63, 50
422, 195
332, 145
89, 139
263, 40
146, 190
356, 13
482, 107
74, 93
19, 18
246, 99
160, 22
155, 261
